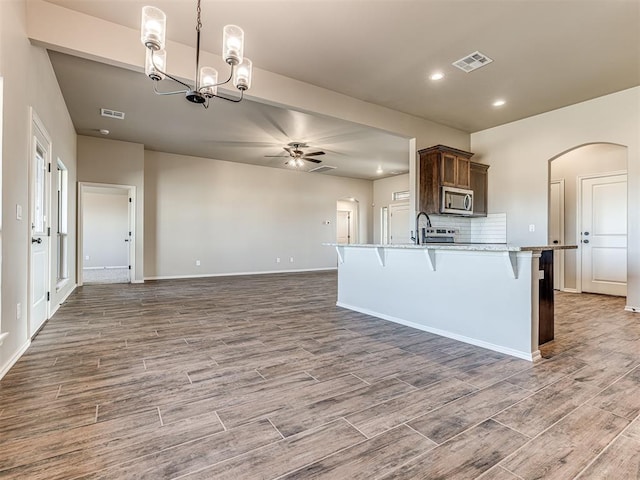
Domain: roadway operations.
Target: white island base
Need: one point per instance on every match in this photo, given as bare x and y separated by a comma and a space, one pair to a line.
485, 295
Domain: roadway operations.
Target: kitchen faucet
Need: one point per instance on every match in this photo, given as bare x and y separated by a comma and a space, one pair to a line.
416, 239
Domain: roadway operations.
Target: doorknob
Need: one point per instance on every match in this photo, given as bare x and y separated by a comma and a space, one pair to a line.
586, 233
36, 240
555, 242
126, 239
586, 241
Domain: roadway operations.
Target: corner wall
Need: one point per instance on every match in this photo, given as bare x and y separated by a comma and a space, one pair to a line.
237, 218
116, 163
29, 81
519, 155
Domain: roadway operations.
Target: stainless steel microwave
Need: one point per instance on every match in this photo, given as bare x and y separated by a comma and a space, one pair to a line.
457, 201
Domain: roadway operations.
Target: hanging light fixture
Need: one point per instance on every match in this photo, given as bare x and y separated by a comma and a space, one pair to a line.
205, 85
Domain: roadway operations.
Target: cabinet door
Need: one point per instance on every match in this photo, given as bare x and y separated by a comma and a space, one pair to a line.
449, 167
462, 172
479, 184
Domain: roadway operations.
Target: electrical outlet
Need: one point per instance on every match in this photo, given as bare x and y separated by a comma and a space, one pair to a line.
277, 259
532, 228
86, 257
197, 263
290, 259
18, 311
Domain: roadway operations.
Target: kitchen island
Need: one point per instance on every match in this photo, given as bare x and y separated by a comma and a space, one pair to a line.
483, 294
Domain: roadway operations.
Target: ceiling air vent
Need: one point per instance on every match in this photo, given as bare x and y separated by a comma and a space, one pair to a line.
105, 112
322, 169
472, 62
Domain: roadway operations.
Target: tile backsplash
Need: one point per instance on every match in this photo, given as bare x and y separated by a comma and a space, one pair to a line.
489, 229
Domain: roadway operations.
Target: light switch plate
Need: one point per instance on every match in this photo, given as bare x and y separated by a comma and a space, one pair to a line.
18, 212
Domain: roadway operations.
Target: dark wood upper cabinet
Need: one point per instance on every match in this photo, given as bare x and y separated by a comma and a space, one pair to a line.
441, 166
479, 181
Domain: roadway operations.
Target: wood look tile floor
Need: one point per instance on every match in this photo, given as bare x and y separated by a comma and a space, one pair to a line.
263, 377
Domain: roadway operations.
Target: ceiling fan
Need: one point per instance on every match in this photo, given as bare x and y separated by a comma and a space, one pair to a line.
297, 155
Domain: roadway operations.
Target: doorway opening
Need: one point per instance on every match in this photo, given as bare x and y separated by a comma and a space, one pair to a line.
106, 252
347, 231
594, 197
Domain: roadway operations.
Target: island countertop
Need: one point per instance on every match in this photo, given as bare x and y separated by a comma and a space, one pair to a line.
470, 247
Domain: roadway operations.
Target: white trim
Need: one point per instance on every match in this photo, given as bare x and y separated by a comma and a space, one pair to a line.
570, 290
532, 357
106, 268
7, 366
132, 226
63, 299
629, 308
561, 221
235, 274
35, 123
3, 336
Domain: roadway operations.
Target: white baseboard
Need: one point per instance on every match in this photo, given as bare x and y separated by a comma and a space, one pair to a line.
530, 356
235, 274
629, 308
569, 290
64, 299
106, 268
5, 368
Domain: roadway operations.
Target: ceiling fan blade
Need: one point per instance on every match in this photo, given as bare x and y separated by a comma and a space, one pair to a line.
287, 149
314, 160
276, 156
313, 154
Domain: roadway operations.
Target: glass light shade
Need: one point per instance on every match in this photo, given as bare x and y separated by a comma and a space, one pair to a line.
208, 76
153, 28
159, 58
242, 75
232, 44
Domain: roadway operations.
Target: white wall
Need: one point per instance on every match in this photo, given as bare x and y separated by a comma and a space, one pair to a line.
519, 155
104, 229
383, 191
587, 160
238, 218
28, 81
117, 163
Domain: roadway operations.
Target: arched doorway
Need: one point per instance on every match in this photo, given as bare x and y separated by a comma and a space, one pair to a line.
587, 207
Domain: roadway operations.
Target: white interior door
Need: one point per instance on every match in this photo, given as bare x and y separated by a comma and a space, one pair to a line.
399, 231
556, 230
39, 217
603, 235
343, 226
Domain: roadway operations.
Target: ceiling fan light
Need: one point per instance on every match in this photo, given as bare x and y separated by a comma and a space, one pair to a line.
242, 75
232, 44
208, 80
153, 60
153, 28
299, 162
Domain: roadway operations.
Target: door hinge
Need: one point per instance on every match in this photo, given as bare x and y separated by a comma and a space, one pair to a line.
130, 200
48, 296
49, 167
129, 233
48, 231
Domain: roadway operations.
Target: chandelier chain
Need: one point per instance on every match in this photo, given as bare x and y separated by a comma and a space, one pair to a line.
198, 22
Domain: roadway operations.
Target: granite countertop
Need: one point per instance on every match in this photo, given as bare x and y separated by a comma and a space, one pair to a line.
471, 247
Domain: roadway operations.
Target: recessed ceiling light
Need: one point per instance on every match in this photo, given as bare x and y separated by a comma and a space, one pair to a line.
437, 76
499, 103
104, 131
379, 170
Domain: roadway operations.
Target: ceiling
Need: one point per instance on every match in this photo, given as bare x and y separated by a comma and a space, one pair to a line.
546, 54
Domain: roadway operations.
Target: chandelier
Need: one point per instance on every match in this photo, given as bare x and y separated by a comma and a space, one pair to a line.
205, 86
